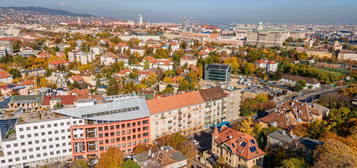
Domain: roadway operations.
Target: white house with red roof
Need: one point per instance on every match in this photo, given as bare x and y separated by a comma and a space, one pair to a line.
57, 64
164, 64
269, 66
5, 77
188, 60
122, 73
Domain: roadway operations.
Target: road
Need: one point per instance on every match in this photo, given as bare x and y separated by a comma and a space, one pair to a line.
308, 94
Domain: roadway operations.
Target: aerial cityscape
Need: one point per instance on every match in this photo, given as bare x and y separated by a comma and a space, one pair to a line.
178, 84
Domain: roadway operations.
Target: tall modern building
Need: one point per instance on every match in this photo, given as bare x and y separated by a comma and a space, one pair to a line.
218, 72
141, 21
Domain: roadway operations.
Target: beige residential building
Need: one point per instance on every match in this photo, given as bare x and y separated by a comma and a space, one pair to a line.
178, 113
215, 106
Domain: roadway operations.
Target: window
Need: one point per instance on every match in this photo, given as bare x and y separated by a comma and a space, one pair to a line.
36, 134
37, 148
253, 149
28, 135
37, 141
28, 128
243, 144
35, 127
55, 124
48, 125
42, 126
24, 158
252, 141
22, 136
21, 129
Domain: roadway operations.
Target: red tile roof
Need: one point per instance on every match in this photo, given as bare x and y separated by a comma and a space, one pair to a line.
65, 99
58, 62
76, 78
164, 104
240, 144
4, 74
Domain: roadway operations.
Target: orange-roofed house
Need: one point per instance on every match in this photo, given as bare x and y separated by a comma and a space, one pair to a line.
236, 149
5, 77
178, 113
58, 64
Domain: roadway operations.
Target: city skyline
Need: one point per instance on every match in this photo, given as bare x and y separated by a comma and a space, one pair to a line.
211, 11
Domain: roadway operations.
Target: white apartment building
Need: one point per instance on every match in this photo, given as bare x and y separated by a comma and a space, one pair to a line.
179, 113
38, 143
81, 57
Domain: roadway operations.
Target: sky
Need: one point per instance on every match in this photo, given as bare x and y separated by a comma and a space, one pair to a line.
210, 11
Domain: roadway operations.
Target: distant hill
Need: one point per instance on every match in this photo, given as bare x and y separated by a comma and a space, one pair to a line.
48, 11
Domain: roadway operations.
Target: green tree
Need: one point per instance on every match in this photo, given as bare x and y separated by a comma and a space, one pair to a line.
112, 87
299, 85
293, 163
130, 164
249, 68
15, 73
81, 163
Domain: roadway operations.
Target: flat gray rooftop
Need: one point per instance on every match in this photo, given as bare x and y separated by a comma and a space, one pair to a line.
127, 109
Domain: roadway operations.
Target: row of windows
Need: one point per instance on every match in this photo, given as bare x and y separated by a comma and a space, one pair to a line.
118, 126
37, 149
50, 125
36, 141
38, 155
44, 133
124, 138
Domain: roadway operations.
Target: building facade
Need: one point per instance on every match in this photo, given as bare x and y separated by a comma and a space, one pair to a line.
38, 143
123, 124
179, 113
215, 106
217, 72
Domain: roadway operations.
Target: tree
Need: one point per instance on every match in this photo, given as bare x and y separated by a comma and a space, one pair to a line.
173, 140
233, 62
334, 153
249, 68
299, 85
15, 73
246, 126
293, 163
112, 158
130, 164
112, 87
142, 148
81, 163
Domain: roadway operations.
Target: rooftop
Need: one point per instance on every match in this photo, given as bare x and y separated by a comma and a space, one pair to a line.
168, 103
121, 110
